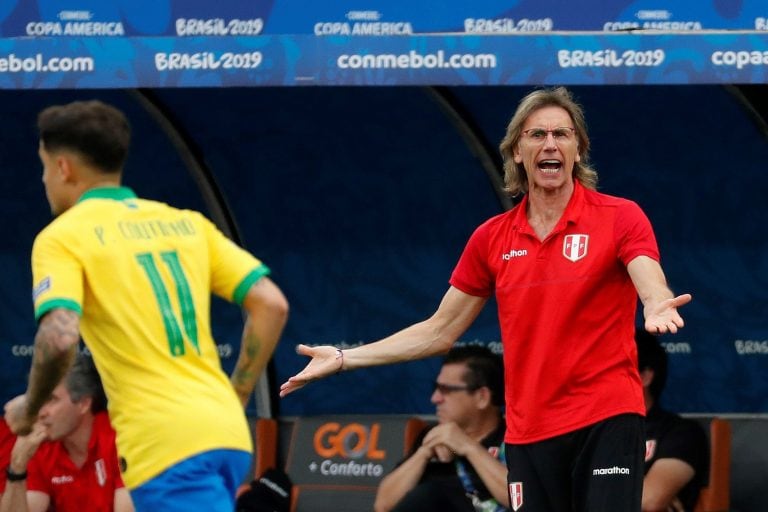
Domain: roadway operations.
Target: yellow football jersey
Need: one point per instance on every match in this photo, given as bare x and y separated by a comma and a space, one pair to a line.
141, 273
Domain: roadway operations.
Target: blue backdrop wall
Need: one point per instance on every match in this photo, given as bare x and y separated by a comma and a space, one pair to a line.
361, 200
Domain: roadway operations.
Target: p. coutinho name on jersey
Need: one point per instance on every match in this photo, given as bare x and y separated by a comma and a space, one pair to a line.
150, 229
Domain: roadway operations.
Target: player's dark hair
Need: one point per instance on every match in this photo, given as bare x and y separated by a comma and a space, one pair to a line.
83, 381
484, 368
98, 132
651, 355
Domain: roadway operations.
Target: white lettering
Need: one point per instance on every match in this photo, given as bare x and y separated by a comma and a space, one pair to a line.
23, 350
751, 347
514, 254
93, 28
613, 26
672, 25
740, 59
75, 15
761, 23
381, 29
364, 15
677, 348
648, 14
44, 28
332, 29
351, 468
609, 58
615, 470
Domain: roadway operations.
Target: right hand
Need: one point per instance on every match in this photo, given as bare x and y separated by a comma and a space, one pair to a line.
26, 446
324, 362
17, 417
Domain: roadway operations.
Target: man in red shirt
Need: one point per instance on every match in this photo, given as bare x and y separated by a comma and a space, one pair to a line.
68, 462
566, 266
7, 438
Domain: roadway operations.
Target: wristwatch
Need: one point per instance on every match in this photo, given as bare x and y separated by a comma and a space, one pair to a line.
14, 477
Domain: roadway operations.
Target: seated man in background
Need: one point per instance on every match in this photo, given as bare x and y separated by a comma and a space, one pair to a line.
68, 463
458, 465
676, 449
6, 443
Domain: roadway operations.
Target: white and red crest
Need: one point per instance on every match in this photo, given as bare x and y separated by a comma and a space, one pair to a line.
650, 449
516, 495
575, 247
101, 472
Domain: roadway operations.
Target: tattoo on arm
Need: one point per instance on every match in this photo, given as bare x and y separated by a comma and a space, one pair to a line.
247, 368
55, 347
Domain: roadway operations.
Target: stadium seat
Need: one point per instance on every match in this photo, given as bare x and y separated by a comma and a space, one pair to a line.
715, 497
265, 445
335, 461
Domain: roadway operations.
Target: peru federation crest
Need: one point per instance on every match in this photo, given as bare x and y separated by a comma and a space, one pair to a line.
575, 247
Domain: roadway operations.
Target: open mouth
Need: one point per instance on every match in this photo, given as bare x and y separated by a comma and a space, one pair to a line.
550, 166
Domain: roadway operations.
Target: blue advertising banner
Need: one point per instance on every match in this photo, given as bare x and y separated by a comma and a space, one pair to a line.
298, 60
182, 18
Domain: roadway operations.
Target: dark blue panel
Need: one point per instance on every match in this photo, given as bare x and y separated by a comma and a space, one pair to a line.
361, 200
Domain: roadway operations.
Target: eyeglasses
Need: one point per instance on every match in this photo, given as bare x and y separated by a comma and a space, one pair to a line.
561, 134
446, 389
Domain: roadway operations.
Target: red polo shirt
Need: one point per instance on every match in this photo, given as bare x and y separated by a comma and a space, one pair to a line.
7, 439
566, 307
91, 487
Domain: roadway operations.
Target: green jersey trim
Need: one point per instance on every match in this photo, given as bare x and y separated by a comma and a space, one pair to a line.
58, 303
242, 289
116, 193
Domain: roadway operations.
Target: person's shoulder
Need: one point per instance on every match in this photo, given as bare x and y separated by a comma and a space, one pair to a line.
499, 221
168, 212
602, 199
681, 426
691, 426
101, 422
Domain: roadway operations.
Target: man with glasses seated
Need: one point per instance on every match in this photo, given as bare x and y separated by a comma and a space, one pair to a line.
457, 465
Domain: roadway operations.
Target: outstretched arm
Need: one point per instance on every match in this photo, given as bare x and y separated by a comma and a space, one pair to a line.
267, 310
55, 347
659, 303
431, 337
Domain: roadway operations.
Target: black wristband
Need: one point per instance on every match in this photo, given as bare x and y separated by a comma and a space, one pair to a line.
14, 477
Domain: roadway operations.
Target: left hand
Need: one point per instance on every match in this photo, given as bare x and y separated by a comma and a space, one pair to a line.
662, 317
450, 436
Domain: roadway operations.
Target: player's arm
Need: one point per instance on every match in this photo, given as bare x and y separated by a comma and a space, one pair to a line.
402, 479
659, 303
55, 347
663, 482
123, 502
431, 337
267, 313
